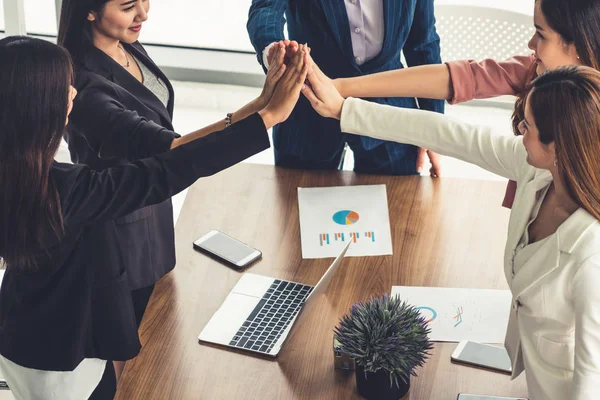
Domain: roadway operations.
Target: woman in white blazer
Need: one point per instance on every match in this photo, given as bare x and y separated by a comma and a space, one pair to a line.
552, 257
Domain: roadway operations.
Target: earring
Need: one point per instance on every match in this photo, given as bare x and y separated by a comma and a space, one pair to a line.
555, 163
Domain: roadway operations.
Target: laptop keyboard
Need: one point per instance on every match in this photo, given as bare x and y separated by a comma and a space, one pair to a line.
265, 324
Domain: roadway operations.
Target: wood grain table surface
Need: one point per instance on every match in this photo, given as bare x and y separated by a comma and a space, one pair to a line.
446, 232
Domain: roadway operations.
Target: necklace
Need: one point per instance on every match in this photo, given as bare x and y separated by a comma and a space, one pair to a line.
126, 56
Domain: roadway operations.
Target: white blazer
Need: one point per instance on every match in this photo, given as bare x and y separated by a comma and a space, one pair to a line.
554, 328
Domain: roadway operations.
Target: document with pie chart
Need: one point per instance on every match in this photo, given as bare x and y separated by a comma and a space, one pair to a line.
330, 217
456, 314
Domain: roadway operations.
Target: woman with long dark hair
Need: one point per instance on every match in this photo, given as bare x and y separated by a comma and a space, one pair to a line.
65, 305
566, 33
552, 256
124, 111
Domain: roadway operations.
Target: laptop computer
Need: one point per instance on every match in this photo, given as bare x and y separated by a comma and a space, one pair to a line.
259, 312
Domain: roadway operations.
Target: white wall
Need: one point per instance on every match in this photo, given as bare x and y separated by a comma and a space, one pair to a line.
205, 23
40, 16
1, 14
222, 24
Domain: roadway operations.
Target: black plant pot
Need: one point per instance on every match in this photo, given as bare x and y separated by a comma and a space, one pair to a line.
376, 385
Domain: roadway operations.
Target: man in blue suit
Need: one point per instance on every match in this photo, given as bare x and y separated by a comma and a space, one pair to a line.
348, 38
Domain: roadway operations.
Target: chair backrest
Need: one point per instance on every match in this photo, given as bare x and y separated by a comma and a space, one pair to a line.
470, 32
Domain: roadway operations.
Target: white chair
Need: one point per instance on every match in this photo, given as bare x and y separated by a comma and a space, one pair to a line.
477, 33
470, 32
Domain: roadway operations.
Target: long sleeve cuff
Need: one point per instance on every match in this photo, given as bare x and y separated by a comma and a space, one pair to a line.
265, 54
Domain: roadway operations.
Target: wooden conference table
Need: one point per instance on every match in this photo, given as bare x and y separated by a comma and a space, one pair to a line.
445, 232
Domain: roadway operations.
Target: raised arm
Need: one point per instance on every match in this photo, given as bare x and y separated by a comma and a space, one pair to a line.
89, 197
266, 20
489, 78
422, 47
503, 155
98, 196
273, 76
455, 81
113, 131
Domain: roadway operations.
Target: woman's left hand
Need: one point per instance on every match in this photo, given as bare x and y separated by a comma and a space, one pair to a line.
276, 71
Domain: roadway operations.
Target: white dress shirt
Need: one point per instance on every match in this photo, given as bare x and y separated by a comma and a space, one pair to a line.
33, 384
366, 30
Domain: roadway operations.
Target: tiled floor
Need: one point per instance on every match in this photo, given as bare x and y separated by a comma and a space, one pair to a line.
199, 104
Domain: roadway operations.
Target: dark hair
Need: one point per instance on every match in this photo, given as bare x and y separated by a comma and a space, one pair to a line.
576, 21
565, 103
34, 76
74, 29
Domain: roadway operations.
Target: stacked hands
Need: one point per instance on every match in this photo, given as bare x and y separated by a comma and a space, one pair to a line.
292, 71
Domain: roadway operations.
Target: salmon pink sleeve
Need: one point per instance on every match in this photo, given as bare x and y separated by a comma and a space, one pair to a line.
489, 78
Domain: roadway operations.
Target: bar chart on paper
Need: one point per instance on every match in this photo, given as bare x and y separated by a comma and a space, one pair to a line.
326, 238
331, 217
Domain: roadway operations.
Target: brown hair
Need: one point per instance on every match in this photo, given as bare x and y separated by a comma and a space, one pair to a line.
565, 103
34, 76
74, 29
576, 21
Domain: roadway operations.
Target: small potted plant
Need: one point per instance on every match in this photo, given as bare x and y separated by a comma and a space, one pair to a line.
388, 340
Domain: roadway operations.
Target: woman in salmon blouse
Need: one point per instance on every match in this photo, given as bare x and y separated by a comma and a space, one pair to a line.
567, 33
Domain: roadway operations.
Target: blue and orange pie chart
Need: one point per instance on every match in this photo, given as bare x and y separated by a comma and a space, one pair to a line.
345, 217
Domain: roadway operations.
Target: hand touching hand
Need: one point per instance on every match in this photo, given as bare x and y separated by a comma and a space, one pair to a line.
322, 94
288, 89
276, 71
290, 47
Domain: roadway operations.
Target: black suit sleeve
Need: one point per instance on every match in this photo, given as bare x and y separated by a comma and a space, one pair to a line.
89, 197
113, 130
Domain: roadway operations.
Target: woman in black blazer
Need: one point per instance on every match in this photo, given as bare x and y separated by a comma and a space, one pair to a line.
124, 100
64, 304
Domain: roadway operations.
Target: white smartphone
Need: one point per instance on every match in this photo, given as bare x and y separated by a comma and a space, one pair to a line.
483, 355
225, 248
463, 396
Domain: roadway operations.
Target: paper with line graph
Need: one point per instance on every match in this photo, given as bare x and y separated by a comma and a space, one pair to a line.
454, 314
332, 216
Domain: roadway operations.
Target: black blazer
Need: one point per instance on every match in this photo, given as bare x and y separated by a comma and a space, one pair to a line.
77, 304
116, 120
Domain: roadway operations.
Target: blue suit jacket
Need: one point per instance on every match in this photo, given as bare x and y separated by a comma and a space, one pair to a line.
323, 24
